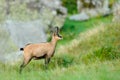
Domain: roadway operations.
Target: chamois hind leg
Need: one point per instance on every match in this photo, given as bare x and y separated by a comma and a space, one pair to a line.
47, 60
25, 62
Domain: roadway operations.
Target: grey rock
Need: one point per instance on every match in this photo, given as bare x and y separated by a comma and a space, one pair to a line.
79, 17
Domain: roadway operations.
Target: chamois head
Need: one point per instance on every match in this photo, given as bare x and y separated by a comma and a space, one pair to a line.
56, 34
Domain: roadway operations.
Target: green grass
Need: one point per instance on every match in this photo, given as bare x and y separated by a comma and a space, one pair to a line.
93, 54
71, 29
108, 70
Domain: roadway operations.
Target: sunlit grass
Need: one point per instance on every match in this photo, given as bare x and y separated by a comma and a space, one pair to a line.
71, 29
108, 70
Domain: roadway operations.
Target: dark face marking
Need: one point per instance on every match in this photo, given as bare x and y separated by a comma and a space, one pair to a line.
57, 32
59, 36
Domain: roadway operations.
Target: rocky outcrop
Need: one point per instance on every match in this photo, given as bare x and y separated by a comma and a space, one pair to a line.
15, 33
80, 17
95, 8
116, 12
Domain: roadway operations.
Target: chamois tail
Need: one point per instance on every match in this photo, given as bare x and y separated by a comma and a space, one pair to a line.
21, 49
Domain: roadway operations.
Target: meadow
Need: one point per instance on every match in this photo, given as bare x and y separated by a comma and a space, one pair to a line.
90, 50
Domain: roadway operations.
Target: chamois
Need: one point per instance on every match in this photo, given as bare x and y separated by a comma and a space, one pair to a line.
41, 50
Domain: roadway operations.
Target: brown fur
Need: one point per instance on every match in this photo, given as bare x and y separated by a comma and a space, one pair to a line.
40, 50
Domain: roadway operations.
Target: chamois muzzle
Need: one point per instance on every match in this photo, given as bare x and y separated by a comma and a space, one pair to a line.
60, 36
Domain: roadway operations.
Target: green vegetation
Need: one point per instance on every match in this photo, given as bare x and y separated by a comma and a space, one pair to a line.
71, 28
71, 8
92, 54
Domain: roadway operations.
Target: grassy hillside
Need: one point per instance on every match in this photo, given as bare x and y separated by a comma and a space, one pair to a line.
93, 54
71, 29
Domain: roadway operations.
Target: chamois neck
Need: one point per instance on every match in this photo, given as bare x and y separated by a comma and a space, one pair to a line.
53, 41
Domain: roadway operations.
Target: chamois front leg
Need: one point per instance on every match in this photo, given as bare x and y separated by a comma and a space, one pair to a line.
47, 60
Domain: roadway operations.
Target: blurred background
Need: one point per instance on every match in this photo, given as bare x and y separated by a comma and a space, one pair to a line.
90, 27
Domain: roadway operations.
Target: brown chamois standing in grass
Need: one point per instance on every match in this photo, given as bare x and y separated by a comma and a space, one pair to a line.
41, 50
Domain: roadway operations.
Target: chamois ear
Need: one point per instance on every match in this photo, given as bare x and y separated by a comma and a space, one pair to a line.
52, 31
57, 30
